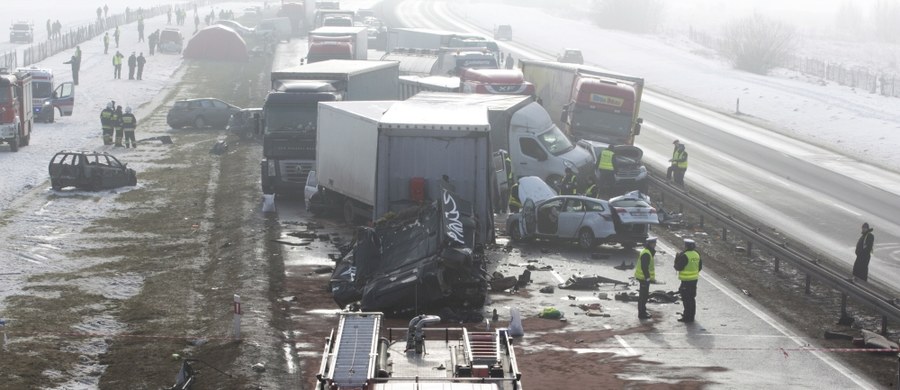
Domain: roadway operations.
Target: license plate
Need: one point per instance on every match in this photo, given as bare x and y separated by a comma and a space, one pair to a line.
638, 214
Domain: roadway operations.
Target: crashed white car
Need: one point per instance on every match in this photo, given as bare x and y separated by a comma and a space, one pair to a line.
624, 219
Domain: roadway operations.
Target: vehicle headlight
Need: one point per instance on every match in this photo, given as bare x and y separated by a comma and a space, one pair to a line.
46, 103
271, 167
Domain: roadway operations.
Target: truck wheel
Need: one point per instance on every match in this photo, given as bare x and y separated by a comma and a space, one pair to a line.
26, 140
586, 239
14, 144
349, 216
52, 117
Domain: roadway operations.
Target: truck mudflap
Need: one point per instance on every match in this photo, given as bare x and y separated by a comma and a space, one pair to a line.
415, 269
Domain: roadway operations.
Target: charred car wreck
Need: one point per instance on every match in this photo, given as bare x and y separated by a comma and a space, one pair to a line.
417, 260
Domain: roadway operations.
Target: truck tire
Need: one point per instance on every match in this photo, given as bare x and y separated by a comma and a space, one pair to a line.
14, 144
52, 117
349, 215
26, 140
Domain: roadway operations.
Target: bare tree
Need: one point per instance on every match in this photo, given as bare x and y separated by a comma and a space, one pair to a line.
887, 20
757, 44
849, 20
640, 16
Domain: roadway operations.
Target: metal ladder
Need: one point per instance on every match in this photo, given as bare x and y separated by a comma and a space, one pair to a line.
483, 347
353, 360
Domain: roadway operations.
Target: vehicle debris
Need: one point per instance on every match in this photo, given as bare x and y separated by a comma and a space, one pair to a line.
576, 282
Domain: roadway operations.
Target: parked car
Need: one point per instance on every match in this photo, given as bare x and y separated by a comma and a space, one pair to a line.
628, 169
571, 56
200, 113
624, 219
170, 41
247, 123
89, 170
21, 32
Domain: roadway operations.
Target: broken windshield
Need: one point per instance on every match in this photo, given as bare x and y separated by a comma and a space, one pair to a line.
555, 141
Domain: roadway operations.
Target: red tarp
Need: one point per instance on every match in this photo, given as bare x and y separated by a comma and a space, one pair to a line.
218, 43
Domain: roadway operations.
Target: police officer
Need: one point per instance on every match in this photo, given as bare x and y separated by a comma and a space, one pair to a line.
515, 204
605, 168
117, 125
117, 65
106, 118
679, 163
593, 190
688, 265
129, 123
569, 183
644, 273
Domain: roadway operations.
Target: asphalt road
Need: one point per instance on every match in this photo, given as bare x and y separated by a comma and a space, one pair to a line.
810, 194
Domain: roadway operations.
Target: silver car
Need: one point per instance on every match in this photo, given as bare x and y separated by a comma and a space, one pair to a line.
624, 219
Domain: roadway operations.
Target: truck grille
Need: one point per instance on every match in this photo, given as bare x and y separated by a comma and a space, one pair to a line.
294, 171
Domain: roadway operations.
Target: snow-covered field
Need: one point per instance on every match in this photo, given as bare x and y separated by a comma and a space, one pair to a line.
855, 123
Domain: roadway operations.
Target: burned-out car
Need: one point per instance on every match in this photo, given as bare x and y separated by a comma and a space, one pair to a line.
420, 259
89, 170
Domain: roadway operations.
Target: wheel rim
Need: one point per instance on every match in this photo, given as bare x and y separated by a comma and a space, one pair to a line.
585, 239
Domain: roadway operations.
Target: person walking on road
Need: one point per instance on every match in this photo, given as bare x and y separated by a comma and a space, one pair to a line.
106, 124
688, 264
129, 124
140, 66
679, 164
117, 124
645, 273
196, 22
864, 247
117, 65
132, 63
106, 43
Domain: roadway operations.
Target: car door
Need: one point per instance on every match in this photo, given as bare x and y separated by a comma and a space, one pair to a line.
220, 113
547, 217
570, 217
598, 217
64, 98
115, 173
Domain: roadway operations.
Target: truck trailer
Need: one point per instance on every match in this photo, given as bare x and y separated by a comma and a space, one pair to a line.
290, 112
359, 39
588, 102
441, 62
16, 115
423, 38
377, 158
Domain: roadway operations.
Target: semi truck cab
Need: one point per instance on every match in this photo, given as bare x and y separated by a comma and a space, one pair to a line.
289, 132
602, 110
496, 81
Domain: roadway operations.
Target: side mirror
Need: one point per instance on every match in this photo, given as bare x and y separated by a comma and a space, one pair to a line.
637, 129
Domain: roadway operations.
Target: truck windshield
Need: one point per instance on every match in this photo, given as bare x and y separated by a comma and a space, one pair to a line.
290, 117
4, 95
555, 141
601, 122
41, 90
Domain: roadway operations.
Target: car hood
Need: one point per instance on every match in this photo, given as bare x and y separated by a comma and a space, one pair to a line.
534, 188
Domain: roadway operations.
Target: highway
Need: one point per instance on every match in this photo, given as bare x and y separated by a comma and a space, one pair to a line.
810, 194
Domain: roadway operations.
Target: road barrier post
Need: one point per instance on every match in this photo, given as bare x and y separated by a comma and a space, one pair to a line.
884, 325
724, 233
808, 281
749, 249
777, 264
845, 319
237, 317
702, 219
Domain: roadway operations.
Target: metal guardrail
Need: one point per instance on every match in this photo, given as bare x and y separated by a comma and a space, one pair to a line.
807, 263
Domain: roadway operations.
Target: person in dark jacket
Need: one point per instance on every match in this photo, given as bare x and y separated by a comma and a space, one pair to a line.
74, 63
129, 123
117, 125
106, 123
140, 66
153, 40
644, 273
863, 253
132, 63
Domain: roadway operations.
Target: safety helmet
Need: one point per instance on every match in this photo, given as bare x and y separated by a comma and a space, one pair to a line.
128, 110
650, 240
689, 243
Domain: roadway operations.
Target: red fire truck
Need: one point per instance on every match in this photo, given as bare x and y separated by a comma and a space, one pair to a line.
16, 114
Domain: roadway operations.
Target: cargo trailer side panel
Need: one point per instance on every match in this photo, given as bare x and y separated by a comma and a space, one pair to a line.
379, 84
552, 86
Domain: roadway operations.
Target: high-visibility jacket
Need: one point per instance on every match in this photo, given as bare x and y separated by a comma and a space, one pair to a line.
691, 271
509, 171
638, 272
514, 200
129, 122
679, 158
605, 162
106, 117
116, 120
572, 182
591, 191
117, 59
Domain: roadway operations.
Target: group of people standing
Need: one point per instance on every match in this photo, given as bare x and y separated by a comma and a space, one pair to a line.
122, 124
135, 63
688, 264
54, 29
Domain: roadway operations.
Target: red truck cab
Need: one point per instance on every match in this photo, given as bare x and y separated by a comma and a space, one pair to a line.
16, 115
322, 48
495, 81
598, 101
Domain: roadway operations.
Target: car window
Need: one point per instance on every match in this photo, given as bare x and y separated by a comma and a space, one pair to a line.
219, 105
206, 103
181, 104
531, 149
593, 206
194, 105
574, 206
630, 202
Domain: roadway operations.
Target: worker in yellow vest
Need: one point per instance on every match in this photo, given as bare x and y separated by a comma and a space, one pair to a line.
606, 169
688, 264
679, 163
515, 204
644, 273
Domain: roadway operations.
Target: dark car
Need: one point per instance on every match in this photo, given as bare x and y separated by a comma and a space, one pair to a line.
571, 56
170, 41
21, 32
200, 113
246, 123
89, 170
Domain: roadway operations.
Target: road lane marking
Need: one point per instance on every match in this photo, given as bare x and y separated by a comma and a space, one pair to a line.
628, 350
846, 209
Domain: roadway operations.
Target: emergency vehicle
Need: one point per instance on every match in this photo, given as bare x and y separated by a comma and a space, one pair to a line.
47, 100
16, 116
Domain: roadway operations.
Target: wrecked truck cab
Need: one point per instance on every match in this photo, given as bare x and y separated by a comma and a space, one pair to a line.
89, 170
